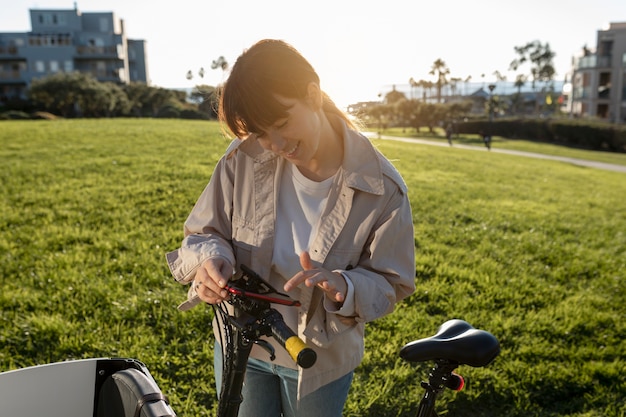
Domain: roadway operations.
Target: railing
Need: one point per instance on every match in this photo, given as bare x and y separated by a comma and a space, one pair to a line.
8, 50
593, 61
10, 75
90, 51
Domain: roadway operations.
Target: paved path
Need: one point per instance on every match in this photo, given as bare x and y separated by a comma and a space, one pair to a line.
575, 161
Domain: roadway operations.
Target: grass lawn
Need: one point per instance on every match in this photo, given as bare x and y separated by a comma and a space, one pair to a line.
533, 251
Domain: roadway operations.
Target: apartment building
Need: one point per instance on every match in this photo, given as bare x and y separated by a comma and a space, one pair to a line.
599, 77
69, 40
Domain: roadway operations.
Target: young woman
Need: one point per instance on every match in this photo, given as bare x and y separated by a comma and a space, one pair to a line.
305, 200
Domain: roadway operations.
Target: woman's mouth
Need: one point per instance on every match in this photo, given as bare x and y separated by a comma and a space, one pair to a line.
290, 153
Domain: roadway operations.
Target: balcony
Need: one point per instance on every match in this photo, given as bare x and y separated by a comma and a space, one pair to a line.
9, 51
99, 52
11, 77
593, 61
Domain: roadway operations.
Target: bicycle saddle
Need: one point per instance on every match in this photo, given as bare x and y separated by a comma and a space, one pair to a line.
455, 341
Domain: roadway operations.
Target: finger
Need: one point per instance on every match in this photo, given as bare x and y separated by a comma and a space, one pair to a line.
208, 285
217, 273
298, 279
305, 261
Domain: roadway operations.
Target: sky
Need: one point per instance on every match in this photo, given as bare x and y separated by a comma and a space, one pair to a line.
360, 48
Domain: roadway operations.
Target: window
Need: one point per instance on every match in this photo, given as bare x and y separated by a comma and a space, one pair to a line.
68, 66
54, 66
104, 24
40, 66
45, 18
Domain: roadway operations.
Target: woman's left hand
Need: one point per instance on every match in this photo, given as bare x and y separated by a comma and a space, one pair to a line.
332, 283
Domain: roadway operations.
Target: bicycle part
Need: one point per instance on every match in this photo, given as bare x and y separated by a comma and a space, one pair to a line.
234, 371
456, 341
251, 285
440, 377
301, 354
251, 318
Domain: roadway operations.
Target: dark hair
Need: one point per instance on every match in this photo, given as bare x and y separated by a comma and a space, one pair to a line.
268, 68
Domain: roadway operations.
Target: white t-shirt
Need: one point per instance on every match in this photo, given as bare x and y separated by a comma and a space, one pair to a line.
301, 202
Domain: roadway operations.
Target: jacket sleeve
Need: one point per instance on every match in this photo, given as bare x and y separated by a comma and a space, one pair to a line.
208, 227
386, 270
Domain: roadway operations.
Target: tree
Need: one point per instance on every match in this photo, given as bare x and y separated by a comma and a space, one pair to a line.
394, 96
79, 94
220, 63
426, 86
466, 81
414, 84
440, 70
454, 82
517, 100
540, 57
206, 97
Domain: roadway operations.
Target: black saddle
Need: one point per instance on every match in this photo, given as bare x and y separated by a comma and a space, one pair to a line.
455, 341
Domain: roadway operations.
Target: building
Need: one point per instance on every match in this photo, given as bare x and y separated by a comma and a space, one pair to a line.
69, 40
599, 77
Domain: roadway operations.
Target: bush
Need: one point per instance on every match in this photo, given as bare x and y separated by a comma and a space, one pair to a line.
168, 112
14, 115
587, 135
193, 114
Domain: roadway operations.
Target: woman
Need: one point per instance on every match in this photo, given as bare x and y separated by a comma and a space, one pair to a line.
308, 203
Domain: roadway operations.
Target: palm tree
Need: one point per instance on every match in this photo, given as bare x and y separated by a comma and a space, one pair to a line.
520, 80
466, 82
454, 81
413, 85
440, 70
426, 86
220, 63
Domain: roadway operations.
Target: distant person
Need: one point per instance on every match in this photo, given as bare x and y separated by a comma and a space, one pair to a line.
487, 141
449, 134
306, 201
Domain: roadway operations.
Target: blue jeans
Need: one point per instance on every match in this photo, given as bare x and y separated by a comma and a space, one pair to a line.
271, 391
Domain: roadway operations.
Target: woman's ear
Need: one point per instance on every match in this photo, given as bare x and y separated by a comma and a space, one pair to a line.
315, 97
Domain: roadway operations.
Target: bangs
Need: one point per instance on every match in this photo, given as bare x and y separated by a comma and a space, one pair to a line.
270, 69
256, 110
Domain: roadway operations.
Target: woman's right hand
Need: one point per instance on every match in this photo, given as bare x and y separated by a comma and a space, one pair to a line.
211, 278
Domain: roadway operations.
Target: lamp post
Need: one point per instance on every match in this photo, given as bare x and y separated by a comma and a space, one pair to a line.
491, 88
487, 137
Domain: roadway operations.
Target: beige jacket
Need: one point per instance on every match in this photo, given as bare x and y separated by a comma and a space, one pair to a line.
366, 232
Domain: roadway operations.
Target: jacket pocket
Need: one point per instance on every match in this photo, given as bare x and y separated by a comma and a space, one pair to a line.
324, 328
243, 237
344, 260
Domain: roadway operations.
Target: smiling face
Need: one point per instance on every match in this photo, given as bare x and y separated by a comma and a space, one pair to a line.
297, 136
273, 94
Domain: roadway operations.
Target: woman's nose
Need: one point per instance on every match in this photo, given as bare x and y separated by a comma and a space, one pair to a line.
274, 142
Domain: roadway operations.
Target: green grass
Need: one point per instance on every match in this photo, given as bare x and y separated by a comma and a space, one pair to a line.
533, 251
